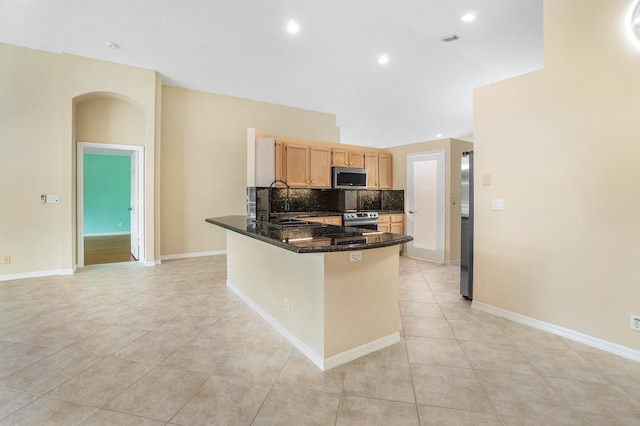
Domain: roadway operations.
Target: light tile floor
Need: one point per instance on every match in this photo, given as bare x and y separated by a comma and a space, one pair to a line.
123, 344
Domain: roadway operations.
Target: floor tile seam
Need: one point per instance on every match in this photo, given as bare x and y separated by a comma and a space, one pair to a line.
560, 397
591, 368
50, 392
194, 393
106, 404
56, 350
69, 401
413, 386
377, 398
405, 335
156, 363
536, 372
303, 388
632, 396
68, 346
486, 393
113, 410
255, 416
498, 415
39, 397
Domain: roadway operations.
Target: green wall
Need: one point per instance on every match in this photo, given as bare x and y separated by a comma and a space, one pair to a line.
107, 194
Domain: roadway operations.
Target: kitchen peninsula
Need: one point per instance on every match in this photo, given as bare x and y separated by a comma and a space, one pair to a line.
332, 291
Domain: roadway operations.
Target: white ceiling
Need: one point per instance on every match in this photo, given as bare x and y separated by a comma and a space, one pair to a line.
241, 48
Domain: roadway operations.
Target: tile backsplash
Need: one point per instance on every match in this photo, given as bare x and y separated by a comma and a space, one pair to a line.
316, 200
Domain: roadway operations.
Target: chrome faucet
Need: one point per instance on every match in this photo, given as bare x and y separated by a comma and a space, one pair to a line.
287, 201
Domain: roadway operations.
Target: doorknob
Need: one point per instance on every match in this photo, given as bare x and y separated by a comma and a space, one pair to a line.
411, 212
129, 209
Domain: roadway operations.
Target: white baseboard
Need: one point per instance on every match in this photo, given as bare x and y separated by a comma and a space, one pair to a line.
36, 274
319, 360
367, 348
455, 262
106, 234
196, 254
613, 348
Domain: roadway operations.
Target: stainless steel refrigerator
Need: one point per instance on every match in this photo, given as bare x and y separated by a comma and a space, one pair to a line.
466, 210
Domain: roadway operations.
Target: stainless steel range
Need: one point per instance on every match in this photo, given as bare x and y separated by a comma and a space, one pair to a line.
367, 220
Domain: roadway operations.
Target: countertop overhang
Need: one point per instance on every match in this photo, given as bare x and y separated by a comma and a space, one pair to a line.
315, 238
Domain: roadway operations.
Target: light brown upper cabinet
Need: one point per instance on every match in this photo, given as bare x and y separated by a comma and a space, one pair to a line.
379, 170
308, 166
344, 158
385, 177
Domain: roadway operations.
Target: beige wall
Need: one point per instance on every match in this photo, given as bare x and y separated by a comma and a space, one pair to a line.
562, 146
336, 306
204, 160
49, 101
109, 120
30, 161
453, 149
38, 91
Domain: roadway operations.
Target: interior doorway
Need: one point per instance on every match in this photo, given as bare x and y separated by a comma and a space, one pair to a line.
116, 246
425, 205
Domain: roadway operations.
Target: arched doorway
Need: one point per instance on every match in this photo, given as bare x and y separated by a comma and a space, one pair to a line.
109, 127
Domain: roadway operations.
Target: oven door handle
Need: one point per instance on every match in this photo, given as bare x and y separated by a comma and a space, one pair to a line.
360, 222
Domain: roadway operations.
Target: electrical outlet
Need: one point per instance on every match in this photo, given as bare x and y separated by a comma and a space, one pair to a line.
635, 322
287, 305
6, 260
355, 256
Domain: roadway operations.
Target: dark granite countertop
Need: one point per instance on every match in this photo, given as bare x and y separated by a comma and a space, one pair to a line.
302, 215
316, 238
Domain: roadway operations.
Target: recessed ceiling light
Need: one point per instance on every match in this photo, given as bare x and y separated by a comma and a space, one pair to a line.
292, 26
469, 17
383, 59
439, 135
111, 44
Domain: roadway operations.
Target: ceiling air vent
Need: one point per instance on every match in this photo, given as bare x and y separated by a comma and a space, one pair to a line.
447, 39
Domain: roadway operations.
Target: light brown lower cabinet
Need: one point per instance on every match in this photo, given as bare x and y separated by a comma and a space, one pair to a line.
327, 220
393, 223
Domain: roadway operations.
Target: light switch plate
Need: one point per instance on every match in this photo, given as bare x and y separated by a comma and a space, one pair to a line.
53, 199
497, 204
486, 179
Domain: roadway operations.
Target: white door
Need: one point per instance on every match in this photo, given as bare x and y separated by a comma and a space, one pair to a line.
425, 205
135, 206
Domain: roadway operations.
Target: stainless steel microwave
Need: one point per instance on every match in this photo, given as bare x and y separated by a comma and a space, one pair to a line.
346, 178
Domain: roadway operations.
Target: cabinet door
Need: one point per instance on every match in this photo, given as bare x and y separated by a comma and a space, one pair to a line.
333, 220
397, 228
318, 219
297, 166
320, 167
384, 223
384, 171
371, 164
340, 158
356, 160
281, 161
